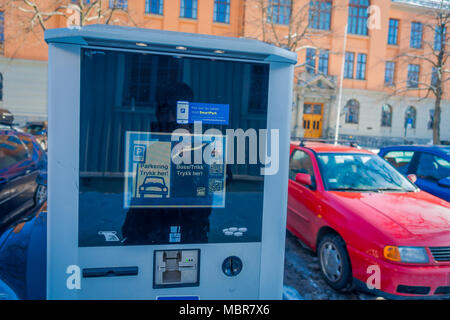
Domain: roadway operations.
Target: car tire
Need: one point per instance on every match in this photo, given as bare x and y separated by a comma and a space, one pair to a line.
334, 262
40, 195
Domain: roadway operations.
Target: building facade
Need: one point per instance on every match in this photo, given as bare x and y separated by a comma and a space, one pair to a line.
379, 104
23, 64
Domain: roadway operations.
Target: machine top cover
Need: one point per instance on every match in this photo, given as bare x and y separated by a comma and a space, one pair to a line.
170, 41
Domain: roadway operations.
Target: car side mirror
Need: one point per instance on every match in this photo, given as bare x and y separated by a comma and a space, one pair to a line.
303, 178
412, 178
444, 182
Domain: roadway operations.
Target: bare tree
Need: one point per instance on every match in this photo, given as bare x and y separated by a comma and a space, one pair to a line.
284, 24
435, 55
27, 19
77, 13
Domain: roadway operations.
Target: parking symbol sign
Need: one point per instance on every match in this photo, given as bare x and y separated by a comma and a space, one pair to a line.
139, 152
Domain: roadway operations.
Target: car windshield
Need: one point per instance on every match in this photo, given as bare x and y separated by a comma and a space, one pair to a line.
154, 180
361, 172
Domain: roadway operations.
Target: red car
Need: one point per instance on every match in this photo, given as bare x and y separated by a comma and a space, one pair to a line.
371, 227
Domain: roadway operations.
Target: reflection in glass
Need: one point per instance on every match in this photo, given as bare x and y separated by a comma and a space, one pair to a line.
138, 92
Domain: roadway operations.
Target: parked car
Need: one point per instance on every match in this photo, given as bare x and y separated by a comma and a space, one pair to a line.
39, 156
39, 130
22, 172
359, 214
430, 165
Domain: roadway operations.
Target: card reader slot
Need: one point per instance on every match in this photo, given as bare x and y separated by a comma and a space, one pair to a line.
110, 272
162, 268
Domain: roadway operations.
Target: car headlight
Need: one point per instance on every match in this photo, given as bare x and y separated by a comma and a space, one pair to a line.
406, 254
164, 189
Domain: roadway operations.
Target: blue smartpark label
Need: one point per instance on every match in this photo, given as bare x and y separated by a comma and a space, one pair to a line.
183, 170
178, 298
206, 113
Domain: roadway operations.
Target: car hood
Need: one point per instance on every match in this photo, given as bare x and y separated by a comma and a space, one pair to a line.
23, 252
418, 213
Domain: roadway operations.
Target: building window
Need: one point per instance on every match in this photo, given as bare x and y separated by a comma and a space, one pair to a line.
357, 17
310, 60
349, 62
222, 11
279, 11
323, 61
393, 31
320, 14
389, 73
118, 4
431, 119
410, 117
2, 27
351, 111
361, 66
154, 6
439, 37
386, 115
416, 35
188, 9
413, 75
434, 77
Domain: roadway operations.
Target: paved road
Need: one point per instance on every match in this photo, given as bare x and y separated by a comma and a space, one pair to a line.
302, 272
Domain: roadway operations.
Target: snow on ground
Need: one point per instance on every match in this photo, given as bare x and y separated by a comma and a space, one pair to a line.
303, 279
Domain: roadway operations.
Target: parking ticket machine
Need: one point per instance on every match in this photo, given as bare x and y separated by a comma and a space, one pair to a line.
168, 165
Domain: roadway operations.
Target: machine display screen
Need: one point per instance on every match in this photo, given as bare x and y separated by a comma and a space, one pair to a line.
170, 149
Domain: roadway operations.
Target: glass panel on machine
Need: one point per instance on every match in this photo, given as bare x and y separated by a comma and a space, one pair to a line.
142, 184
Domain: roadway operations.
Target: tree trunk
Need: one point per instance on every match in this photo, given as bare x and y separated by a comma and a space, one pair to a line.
437, 119
441, 63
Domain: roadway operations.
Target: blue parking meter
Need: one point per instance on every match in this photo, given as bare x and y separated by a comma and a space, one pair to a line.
168, 165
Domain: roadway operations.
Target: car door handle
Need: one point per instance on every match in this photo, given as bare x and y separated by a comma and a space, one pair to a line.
110, 272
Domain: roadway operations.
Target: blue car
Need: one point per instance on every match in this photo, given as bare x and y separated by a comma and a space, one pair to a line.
23, 252
23, 166
430, 164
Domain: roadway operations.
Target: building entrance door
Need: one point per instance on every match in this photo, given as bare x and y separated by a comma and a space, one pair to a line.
312, 120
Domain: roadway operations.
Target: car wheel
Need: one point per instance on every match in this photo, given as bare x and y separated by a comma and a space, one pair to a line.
40, 195
335, 262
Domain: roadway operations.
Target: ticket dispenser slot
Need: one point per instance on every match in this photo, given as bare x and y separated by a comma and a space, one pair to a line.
176, 268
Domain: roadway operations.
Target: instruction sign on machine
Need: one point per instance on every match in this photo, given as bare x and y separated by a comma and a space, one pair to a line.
158, 170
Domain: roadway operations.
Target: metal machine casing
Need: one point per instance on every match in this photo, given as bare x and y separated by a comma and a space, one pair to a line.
263, 262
